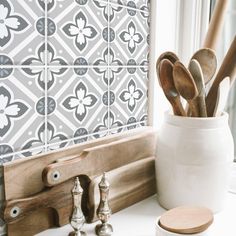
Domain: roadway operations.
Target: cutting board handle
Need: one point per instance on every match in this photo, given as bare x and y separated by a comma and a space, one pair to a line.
58, 198
94, 161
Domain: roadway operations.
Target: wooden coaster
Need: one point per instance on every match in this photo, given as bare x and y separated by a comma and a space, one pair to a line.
187, 220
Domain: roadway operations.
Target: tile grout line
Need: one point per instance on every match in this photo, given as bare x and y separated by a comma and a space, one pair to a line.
46, 78
127, 7
108, 66
100, 132
70, 66
71, 139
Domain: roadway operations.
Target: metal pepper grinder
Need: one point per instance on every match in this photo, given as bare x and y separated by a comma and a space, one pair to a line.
104, 210
77, 219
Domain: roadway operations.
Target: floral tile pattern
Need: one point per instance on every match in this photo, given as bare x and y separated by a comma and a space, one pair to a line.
20, 29
82, 76
129, 126
81, 31
129, 97
80, 102
19, 98
143, 5
130, 36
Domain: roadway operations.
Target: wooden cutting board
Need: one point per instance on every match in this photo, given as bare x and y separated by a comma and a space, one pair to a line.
129, 184
23, 178
93, 161
57, 198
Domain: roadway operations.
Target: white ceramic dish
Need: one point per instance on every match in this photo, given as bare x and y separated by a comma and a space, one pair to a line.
162, 232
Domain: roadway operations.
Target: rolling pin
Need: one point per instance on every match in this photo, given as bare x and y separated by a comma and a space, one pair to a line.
216, 24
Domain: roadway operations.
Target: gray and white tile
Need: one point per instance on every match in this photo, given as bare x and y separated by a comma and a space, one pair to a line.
21, 22
30, 152
64, 105
53, 72
81, 31
143, 5
20, 111
130, 101
129, 37
79, 101
128, 127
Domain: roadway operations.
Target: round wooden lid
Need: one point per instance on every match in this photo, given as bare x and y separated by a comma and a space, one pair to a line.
187, 220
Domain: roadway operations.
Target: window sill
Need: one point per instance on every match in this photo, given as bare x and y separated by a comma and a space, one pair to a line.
139, 220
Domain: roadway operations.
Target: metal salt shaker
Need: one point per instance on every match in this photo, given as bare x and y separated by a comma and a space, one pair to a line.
104, 210
77, 219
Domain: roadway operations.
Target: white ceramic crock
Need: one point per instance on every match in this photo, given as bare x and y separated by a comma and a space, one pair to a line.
194, 156
162, 232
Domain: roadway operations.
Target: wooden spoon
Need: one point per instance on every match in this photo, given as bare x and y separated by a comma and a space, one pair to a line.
166, 81
208, 62
227, 69
172, 57
186, 86
196, 71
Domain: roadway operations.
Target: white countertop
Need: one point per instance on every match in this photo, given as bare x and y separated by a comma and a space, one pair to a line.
139, 220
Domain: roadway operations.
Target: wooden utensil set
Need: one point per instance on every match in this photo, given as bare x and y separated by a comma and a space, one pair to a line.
192, 82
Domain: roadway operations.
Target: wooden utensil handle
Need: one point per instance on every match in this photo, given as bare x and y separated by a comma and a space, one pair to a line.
59, 172
178, 107
216, 24
227, 69
16, 209
202, 106
94, 161
193, 106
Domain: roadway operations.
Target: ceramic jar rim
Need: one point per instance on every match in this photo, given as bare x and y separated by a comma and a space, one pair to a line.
197, 122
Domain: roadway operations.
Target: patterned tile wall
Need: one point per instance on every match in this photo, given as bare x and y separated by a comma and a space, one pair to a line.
70, 71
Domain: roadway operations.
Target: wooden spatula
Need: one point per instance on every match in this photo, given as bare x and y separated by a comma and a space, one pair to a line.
223, 93
94, 161
227, 69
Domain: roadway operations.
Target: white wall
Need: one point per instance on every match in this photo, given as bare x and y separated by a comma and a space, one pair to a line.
165, 40
180, 26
